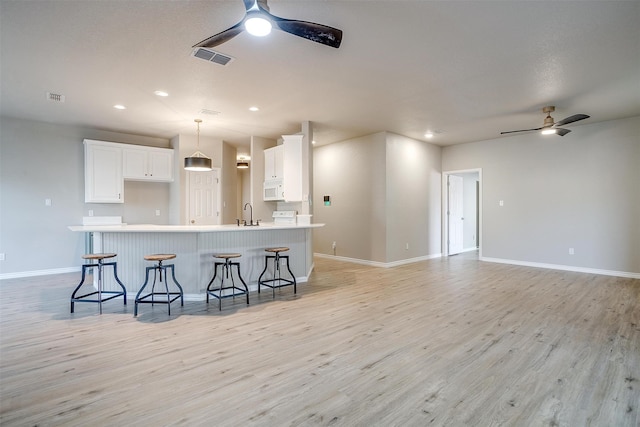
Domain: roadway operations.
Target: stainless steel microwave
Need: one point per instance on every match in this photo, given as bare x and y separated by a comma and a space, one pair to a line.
273, 190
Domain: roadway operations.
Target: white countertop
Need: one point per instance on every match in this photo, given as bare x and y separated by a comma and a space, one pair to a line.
152, 228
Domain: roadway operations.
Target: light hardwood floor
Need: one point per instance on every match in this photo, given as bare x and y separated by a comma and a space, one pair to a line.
452, 341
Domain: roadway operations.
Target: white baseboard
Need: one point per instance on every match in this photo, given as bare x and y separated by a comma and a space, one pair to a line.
377, 263
20, 274
564, 267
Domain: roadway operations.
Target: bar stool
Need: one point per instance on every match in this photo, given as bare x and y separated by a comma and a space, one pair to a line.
277, 278
218, 292
158, 269
100, 292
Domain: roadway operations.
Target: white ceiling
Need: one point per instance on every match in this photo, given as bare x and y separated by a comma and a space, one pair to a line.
468, 69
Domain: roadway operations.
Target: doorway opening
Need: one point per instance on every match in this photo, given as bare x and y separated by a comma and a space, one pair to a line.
462, 211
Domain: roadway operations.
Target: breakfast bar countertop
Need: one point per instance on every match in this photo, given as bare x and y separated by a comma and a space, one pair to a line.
194, 247
152, 228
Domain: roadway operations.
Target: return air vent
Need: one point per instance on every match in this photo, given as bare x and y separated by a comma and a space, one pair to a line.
55, 97
209, 112
211, 56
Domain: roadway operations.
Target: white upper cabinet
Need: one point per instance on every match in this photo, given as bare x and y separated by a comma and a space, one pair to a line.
147, 164
284, 162
274, 163
108, 164
103, 181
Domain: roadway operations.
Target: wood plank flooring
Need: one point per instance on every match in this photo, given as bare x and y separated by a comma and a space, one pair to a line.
444, 342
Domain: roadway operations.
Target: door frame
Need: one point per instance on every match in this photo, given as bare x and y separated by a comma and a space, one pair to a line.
445, 205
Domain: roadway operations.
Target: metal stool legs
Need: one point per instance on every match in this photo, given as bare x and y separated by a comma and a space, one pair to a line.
100, 292
218, 291
158, 269
277, 281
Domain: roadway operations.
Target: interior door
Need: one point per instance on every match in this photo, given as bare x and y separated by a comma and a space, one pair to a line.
203, 197
456, 214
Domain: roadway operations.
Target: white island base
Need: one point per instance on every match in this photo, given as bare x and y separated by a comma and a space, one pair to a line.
194, 247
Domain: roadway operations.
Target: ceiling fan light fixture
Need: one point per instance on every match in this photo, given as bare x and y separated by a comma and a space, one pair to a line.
257, 25
197, 162
550, 131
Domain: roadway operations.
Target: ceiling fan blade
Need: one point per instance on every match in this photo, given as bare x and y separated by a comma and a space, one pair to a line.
571, 119
222, 37
250, 4
309, 30
562, 132
522, 130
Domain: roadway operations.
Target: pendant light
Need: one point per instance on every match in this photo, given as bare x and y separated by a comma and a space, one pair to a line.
198, 162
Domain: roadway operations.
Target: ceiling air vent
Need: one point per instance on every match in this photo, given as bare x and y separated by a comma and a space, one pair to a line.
211, 56
55, 97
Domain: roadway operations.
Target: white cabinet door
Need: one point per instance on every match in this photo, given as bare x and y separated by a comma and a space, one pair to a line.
134, 164
103, 181
148, 164
161, 165
274, 163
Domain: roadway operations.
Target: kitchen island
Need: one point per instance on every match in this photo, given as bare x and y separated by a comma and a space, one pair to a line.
194, 247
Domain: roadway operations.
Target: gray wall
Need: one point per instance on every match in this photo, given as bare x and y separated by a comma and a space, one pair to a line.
353, 174
41, 160
229, 186
413, 198
385, 194
578, 191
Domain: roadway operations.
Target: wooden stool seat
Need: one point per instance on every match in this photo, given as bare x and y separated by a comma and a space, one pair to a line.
227, 256
276, 280
159, 257
277, 250
158, 269
98, 256
96, 261
226, 272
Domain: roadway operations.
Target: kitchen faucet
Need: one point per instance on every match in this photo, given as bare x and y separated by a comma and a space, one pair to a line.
251, 215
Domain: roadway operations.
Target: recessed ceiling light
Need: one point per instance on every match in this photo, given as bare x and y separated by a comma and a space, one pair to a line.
161, 93
254, 109
428, 135
313, 142
119, 107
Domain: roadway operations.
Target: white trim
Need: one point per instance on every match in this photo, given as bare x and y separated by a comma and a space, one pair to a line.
20, 274
377, 263
628, 274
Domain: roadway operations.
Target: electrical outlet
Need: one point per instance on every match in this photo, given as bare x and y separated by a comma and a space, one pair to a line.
1, 257
406, 248
333, 245
90, 212
47, 202
571, 251
157, 212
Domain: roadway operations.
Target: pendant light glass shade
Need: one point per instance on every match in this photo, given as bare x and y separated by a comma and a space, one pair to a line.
197, 162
